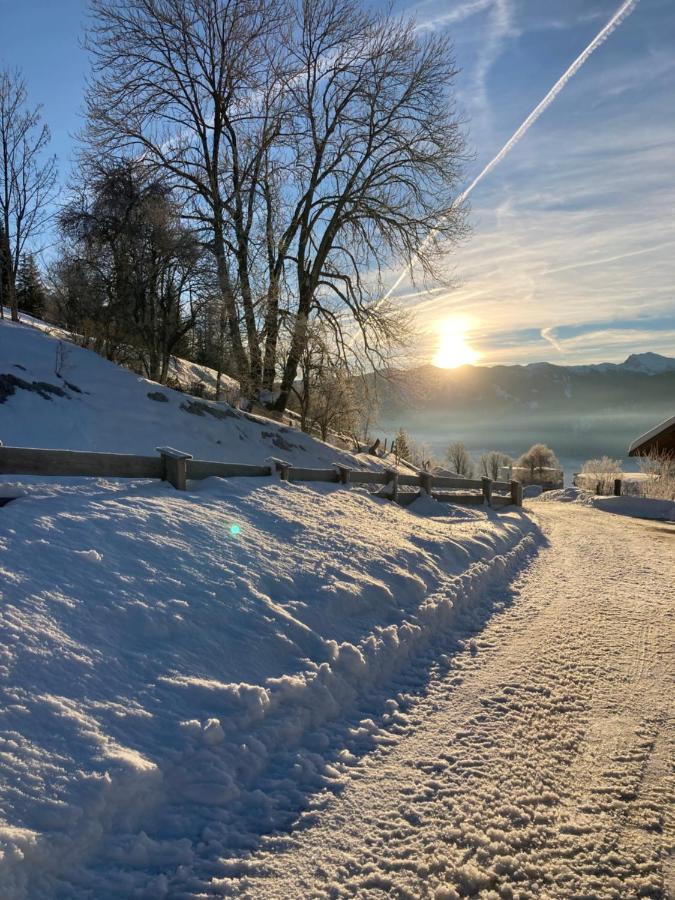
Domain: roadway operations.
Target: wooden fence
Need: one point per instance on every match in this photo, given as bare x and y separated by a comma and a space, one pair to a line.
178, 468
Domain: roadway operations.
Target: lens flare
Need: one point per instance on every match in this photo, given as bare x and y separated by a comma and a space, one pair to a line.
234, 529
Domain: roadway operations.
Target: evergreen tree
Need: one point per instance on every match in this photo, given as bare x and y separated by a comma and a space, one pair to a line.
30, 293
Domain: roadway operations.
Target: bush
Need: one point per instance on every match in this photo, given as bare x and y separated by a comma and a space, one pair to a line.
660, 485
598, 475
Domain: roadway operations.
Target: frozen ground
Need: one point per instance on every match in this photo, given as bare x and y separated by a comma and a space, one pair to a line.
538, 766
178, 672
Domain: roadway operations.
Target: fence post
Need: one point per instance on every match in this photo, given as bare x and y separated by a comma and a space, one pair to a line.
487, 490
283, 468
392, 479
617, 487
174, 466
426, 482
344, 473
516, 493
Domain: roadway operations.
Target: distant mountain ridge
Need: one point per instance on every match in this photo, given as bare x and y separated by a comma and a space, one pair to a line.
581, 410
646, 363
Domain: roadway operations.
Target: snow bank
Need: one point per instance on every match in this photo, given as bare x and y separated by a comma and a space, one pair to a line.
170, 682
638, 507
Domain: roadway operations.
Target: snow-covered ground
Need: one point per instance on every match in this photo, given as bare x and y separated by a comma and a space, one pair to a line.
636, 507
177, 669
183, 675
539, 763
56, 394
185, 373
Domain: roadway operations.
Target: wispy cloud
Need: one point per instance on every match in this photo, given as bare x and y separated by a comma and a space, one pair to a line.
548, 334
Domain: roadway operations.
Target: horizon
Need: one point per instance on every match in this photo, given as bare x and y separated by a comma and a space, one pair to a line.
570, 260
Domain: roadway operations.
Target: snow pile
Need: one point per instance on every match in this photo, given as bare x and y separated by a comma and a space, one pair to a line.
172, 664
564, 495
638, 507
56, 394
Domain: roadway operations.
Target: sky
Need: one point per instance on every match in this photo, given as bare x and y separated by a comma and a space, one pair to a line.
571, 258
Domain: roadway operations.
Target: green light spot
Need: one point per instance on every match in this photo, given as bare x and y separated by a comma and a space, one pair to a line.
234, 529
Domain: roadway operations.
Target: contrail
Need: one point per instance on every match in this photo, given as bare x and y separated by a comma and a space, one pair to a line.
623, 12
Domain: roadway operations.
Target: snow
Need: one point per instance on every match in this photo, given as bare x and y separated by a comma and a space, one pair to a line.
170, 689
536, 764
183, 372
107, 408
637, 507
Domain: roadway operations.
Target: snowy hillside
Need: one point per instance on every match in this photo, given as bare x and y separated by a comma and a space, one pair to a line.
56, 394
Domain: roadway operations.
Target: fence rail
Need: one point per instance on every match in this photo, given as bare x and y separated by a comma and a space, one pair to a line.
178, 468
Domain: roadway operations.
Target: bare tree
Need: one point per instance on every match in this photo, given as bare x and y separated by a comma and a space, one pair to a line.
376, 155
491, 462
27, 179
538, 458
312, 141
459, 458
186, 83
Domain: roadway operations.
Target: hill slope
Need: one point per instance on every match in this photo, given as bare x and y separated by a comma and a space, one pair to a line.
56, 394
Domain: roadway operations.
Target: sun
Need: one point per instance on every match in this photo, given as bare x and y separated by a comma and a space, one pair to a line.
453, 349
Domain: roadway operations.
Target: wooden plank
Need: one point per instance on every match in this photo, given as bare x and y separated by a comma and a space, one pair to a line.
298, 474
37, 461
172, 453
460, 499
202, 468
449, 482
408, 480
405, 498
501, 485
369, 477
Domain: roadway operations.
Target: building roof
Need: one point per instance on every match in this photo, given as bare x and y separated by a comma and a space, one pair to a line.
660, 439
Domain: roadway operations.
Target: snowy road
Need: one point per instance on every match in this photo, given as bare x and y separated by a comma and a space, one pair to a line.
539, 766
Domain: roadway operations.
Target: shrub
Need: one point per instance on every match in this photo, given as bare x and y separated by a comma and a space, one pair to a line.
598, 475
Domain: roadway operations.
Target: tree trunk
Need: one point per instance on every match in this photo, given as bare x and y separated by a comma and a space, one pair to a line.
11, 298
230, 307
271, 336
298, 344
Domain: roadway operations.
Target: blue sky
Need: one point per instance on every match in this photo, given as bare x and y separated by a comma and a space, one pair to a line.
572, 255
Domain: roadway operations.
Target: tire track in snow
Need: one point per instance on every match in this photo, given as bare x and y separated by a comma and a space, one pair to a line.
539, 766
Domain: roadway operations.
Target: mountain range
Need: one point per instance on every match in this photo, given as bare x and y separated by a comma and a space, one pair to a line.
581, 411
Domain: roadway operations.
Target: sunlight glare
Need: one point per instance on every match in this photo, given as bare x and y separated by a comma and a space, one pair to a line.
453, 349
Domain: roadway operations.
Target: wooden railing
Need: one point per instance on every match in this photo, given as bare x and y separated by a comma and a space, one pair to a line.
178, 468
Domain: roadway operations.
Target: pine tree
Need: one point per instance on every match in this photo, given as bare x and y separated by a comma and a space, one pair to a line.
401, 445
30, 292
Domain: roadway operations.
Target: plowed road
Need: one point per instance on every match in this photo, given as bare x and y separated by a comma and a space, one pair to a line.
541, 765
